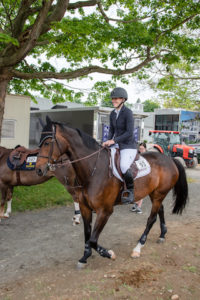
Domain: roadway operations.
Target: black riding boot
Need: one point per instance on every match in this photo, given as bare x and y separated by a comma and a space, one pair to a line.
128, 177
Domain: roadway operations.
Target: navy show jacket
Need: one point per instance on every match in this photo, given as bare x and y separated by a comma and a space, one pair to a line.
121, 128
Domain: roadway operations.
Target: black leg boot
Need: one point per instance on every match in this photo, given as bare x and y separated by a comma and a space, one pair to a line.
128, 177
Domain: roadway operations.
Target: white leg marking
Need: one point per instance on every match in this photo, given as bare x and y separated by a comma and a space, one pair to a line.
113, 256
9, 209
76, 206
137, 250
76, 219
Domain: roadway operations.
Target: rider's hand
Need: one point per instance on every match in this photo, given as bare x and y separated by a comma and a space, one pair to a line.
108, 143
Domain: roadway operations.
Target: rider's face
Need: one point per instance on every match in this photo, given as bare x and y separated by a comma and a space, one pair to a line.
117, 101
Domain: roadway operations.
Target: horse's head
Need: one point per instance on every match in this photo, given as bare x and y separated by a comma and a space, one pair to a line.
50, 148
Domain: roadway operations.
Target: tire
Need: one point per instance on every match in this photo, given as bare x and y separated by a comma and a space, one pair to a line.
152, 149
181, 160
195, 163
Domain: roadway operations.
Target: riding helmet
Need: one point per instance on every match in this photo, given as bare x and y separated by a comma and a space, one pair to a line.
119, 92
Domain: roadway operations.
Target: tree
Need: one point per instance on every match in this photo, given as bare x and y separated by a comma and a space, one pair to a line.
180, 87
150, 105
118, 37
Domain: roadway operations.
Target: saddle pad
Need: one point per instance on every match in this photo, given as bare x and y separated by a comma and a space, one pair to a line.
28, 165
143, 166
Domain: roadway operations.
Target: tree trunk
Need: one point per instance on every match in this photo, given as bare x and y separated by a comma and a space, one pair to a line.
4, 80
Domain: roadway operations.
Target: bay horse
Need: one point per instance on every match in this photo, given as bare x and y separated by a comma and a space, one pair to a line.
101, 191
10, 178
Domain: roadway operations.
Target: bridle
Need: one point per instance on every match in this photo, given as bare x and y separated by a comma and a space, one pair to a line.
52, 135
56, 163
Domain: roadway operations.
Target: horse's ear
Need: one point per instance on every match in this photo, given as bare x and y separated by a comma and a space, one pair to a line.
41, 122
48, 120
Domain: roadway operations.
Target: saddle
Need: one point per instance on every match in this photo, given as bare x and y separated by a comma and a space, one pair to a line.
133, 166
19, 156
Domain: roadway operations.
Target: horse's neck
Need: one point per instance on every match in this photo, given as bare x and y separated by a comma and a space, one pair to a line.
85, 165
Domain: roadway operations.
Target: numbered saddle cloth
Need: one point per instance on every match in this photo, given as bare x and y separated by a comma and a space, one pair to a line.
140, 167
27, 165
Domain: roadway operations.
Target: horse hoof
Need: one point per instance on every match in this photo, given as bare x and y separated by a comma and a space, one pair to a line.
80, 265
135, 254
160, 240
112, 254
75, 223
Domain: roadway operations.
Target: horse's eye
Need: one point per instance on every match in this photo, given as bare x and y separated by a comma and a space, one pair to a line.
46, 143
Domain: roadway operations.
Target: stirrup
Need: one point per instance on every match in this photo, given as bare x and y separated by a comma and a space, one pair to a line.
127, 199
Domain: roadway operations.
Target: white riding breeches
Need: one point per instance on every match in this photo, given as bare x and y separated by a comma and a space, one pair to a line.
127, 157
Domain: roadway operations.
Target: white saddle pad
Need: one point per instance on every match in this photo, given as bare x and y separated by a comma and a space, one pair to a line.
142, 164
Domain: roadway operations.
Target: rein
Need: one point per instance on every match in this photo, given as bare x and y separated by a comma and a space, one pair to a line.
79, 159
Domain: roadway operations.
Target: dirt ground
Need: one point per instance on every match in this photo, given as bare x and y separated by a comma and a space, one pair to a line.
39, 251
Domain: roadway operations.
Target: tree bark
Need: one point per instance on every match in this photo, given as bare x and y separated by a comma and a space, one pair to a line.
4, 81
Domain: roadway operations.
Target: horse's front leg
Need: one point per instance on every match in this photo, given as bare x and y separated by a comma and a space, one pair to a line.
78, 197
87, 221
77, 214
3, 201
101, 220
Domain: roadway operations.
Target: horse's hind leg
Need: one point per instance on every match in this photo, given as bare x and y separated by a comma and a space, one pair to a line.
9, 202
156, 204
163, 227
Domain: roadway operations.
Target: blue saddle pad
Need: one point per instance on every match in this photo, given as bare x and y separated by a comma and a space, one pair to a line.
28, 165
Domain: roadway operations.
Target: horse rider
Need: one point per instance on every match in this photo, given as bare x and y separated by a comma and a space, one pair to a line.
121, 136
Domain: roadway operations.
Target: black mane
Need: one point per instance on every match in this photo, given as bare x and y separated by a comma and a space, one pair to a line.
88, 141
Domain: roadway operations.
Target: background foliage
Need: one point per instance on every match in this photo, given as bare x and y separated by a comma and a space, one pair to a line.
152, 40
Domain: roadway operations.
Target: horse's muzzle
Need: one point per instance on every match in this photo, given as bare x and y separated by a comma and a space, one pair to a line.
39, 172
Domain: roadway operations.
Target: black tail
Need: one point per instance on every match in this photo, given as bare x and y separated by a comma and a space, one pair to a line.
180, 191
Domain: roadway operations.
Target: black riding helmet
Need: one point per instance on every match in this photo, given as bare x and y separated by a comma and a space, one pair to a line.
119, 92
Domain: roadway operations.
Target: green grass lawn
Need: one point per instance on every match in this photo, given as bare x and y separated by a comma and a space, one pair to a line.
48, 194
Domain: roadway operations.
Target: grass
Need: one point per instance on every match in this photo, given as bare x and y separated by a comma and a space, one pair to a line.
48, 194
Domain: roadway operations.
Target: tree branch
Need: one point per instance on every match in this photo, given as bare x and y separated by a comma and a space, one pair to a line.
80, 4
27, 39
107, 19
174, 27
81, 72
23, 13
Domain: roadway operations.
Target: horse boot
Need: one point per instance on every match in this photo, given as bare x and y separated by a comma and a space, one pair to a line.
128, 177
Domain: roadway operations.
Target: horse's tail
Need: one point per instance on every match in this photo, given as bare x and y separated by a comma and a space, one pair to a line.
180, 190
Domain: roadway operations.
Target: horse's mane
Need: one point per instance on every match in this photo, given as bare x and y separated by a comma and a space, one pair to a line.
88, 141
